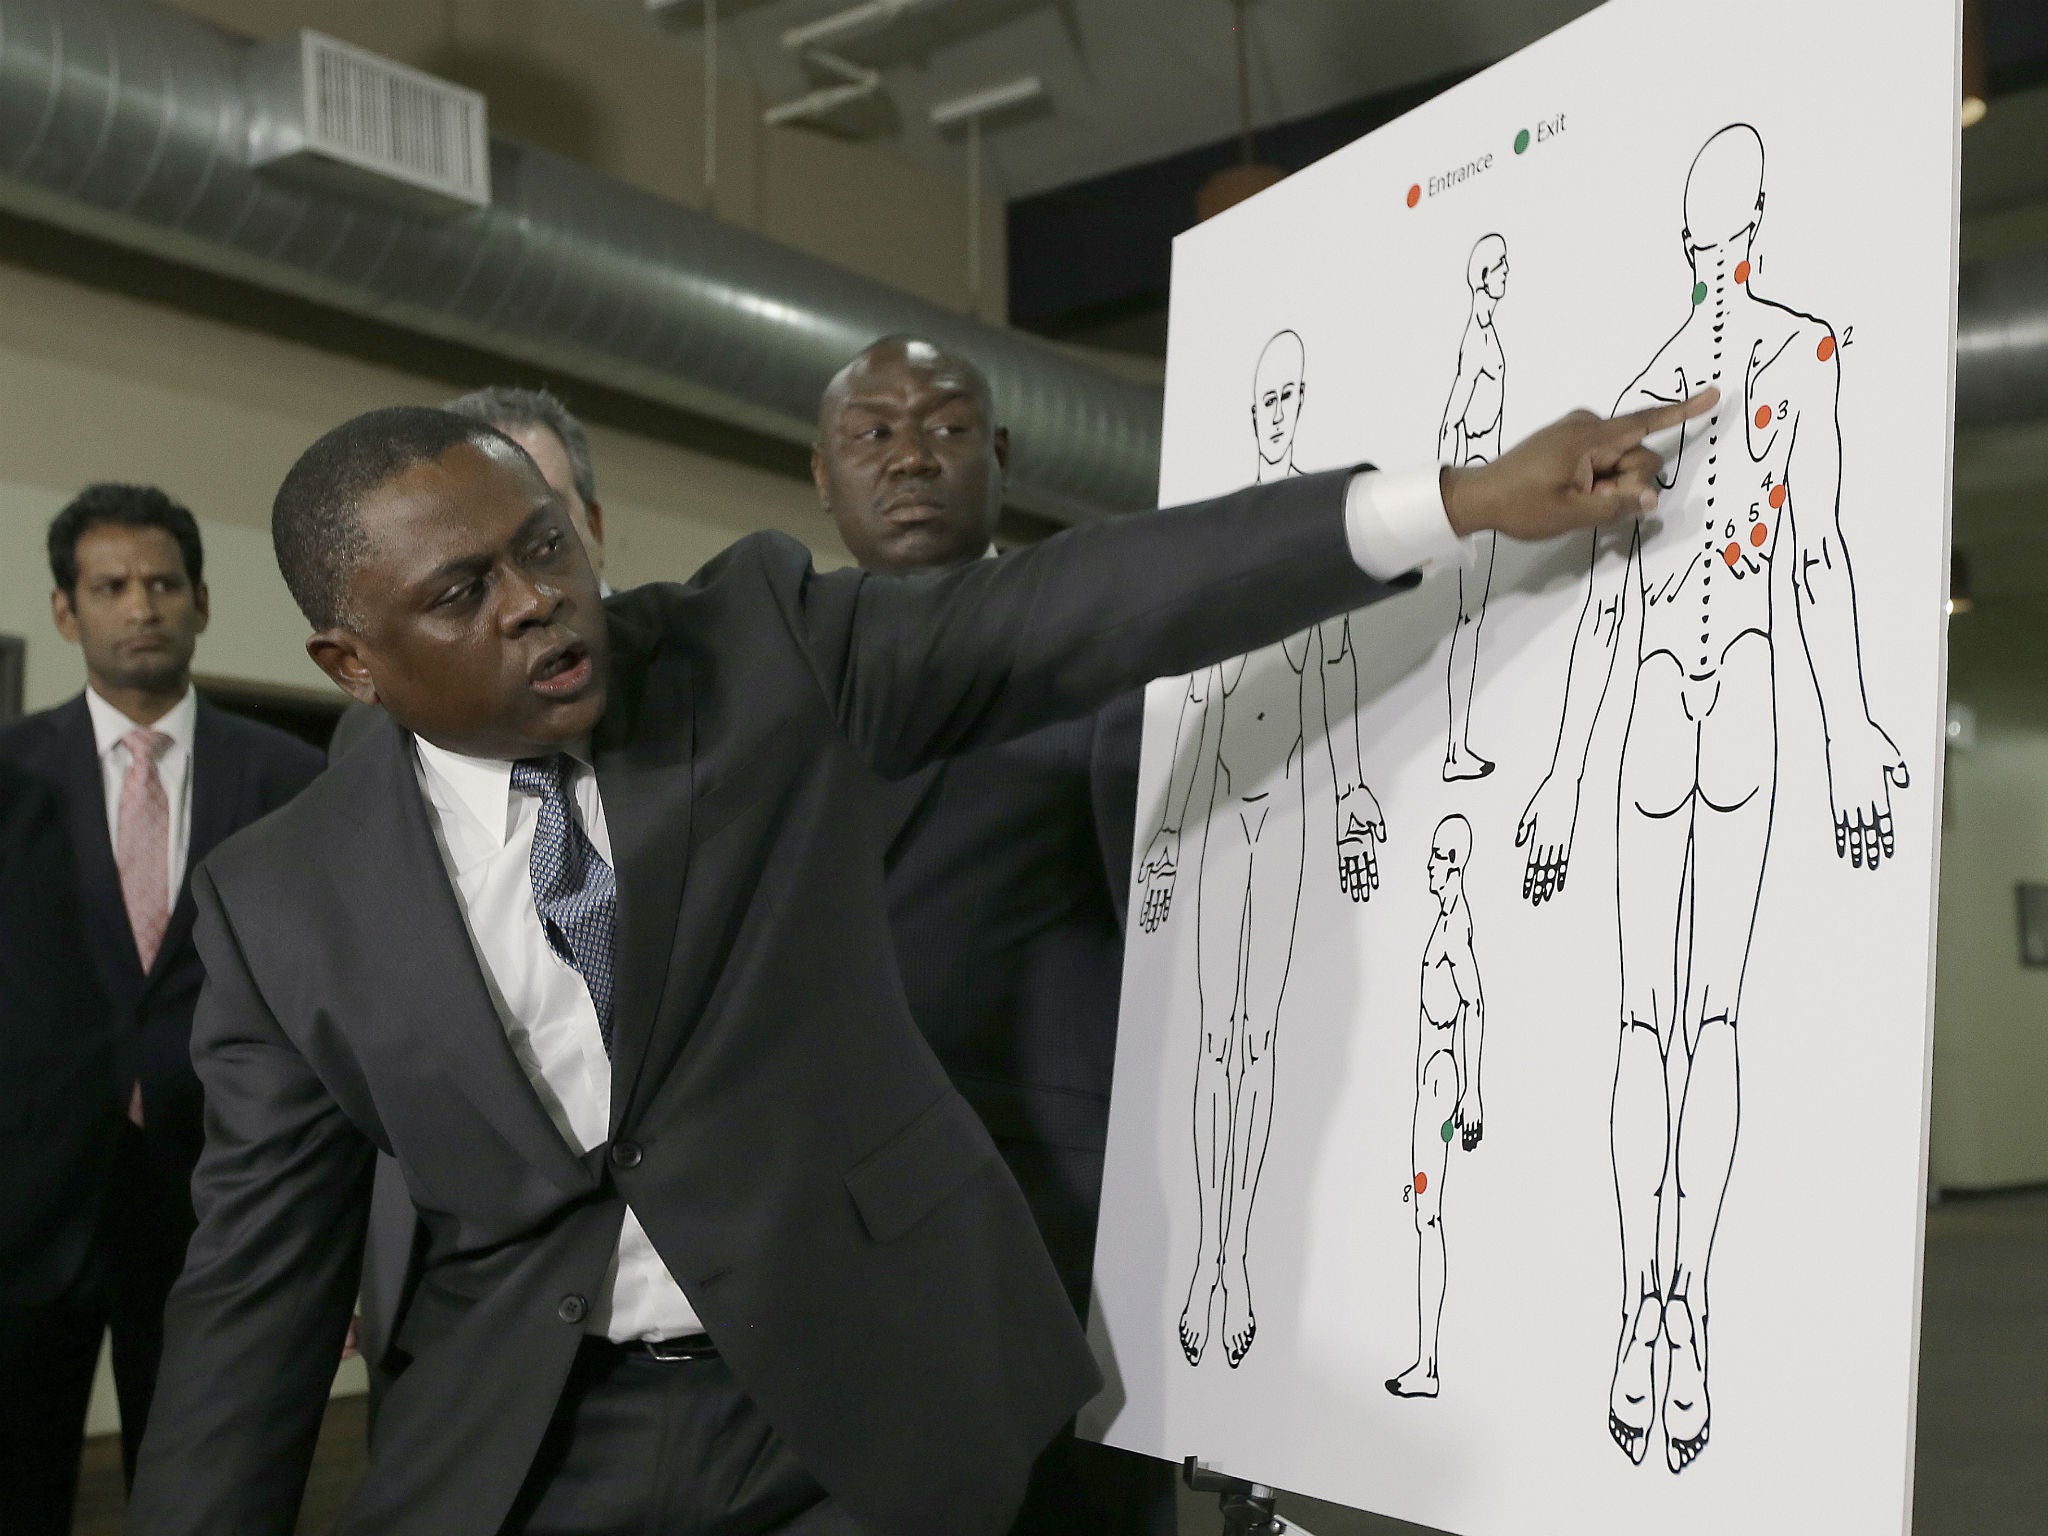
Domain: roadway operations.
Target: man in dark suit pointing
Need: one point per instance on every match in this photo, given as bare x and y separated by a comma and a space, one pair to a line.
710, 1244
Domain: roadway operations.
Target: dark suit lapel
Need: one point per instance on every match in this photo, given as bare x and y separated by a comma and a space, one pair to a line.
99, 878
645, 750
390, 869
217, 774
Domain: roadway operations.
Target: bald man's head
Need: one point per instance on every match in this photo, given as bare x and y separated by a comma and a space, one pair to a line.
1724, 192
908, 461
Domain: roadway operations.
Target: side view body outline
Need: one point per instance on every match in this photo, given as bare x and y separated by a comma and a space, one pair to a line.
1450, 1041
1471, 434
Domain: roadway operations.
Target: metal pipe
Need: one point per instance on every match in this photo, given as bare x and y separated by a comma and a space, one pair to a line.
130, 123
2002, 341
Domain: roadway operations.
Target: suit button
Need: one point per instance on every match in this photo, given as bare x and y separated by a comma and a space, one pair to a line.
625, 1154
572, 1309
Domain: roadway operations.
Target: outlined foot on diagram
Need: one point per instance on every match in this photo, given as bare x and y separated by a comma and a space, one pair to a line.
1239, 1324
1686, 1411
1419, 1380
1632, 1400
1194, 1317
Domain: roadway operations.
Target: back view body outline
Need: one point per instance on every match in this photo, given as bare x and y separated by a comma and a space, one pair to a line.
1471, 434
1237, 724
1698, 775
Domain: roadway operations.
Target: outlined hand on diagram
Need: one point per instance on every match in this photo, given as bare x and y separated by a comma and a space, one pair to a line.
1156, 874
1546, 831
1862, 772
1361, 828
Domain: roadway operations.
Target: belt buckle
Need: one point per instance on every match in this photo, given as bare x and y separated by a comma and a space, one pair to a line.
670, 1351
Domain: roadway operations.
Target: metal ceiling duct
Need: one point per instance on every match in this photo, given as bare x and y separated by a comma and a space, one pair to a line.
133, 124
2002, 341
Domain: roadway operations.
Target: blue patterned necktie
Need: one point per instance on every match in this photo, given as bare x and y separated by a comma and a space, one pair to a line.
573, 887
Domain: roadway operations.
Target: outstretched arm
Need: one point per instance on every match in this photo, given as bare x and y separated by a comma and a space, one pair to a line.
1471, 1031
1156, 871
1547, 825
1360, 826
1864, 764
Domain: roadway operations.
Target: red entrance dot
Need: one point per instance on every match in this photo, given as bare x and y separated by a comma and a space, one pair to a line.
1758, 532
1414, 196
1778, 495
1742, 272
1826, 349
1763, 417
1421, 1183
1732, 554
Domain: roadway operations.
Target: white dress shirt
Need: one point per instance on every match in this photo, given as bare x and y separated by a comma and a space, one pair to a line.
485, 831
174, 769
1396, 523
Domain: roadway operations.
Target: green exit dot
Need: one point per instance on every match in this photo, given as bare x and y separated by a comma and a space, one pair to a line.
1448, 1133
1521, 141
1699, 293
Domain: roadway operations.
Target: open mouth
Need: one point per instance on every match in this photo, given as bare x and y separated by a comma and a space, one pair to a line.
563, 670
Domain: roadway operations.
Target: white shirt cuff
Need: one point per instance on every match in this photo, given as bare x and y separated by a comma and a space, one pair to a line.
1396, 523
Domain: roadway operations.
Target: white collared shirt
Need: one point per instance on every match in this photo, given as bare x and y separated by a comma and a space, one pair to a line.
485, 832
174, 769
1396, 523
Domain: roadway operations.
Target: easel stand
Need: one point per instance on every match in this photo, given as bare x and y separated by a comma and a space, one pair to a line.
1247, 1507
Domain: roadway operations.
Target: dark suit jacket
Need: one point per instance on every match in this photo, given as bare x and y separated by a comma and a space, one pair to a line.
240, 771
832, 1208
56, 1052
1007, 879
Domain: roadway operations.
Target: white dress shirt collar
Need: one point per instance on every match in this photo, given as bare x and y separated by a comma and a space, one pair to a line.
109, 725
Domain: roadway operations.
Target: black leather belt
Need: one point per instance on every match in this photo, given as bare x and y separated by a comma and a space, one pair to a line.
687, 1346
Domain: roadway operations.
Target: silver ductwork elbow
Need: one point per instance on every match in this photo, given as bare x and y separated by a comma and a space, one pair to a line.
132, 124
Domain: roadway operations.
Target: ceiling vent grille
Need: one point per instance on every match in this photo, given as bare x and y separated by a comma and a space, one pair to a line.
320, 107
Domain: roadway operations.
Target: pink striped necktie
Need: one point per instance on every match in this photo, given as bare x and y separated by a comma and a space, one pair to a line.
142, 846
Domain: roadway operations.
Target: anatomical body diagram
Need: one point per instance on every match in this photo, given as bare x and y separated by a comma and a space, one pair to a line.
1237, 800
1758, 488
1471, 434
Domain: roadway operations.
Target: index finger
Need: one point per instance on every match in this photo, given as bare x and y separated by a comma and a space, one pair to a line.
1632, 427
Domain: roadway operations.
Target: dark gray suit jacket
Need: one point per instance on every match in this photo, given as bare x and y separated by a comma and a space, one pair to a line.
57, 1095
241, 770
833, 1209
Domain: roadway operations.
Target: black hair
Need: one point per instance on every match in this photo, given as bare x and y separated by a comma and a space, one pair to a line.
511, 410
315, 521
108, 505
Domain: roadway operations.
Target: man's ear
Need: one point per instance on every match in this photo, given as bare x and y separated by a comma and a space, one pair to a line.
593, 515
63, 615
335, 652
202, 604
1002, 447
818, 478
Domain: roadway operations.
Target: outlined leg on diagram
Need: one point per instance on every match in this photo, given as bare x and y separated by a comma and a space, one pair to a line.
1471, 434
1761, 477
1245, 731
1451, 1033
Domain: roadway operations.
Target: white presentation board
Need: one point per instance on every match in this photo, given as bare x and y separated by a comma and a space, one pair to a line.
1567, 1006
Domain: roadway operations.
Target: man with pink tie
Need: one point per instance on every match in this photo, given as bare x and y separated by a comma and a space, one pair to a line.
146, 779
